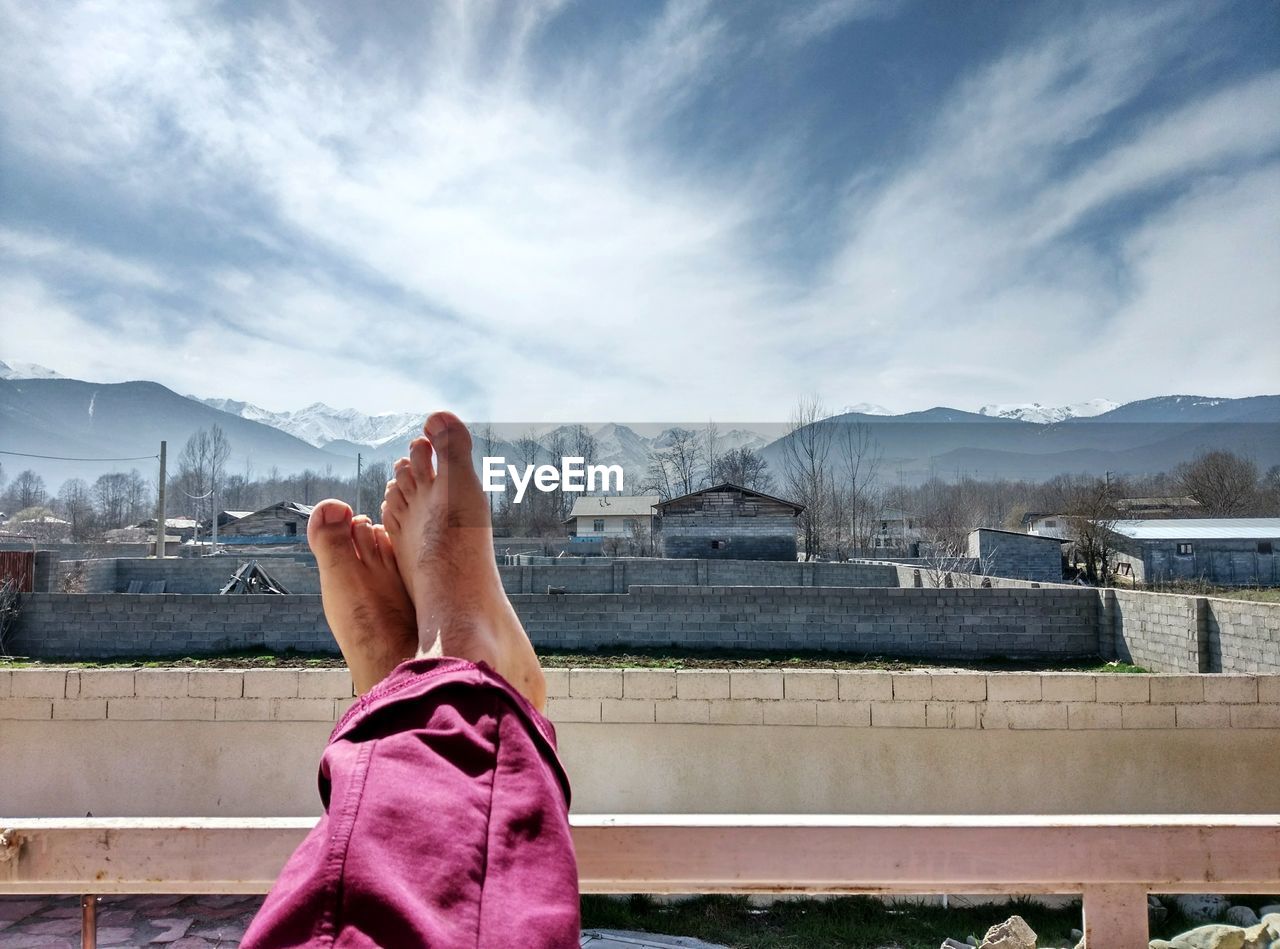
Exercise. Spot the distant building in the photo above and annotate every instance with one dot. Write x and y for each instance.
(1047, 525)
(727, 522)
(282, 523)
(1228, 551)
(898, 530)
(611, 517)
(1152, 508)
(1017, 555)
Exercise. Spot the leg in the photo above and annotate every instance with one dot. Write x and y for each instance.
(438, 520)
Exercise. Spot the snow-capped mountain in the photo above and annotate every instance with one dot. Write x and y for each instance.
(27, 370)
(1044, 414)
(319, 424)
(865, 408)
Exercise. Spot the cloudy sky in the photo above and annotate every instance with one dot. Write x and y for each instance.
(615, 209)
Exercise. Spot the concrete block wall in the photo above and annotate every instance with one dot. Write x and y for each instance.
(957, 624)
(109, 625)
(1020, 556)
(183, 742)
(617, 575)
(996, 701)
(925, 699)
(187, 574)
(949, 624)
(1241, 636)
(1156, 631)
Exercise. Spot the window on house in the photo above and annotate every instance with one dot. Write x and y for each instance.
(632, 529)
(1184, 550)
(1264, 547)
(598, 525)
(291, 529)
(719, 544)
(1050, 523)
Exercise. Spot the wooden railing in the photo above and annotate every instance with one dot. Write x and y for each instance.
(1113, 861)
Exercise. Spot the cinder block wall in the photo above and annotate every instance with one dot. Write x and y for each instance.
(608, 575)
(1020, 556)
(234, 742)
(953, 624)
(1156, 631)
(1239, 636)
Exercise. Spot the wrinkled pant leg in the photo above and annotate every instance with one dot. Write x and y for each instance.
(446, 824)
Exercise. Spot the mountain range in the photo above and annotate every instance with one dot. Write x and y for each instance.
(81, 429)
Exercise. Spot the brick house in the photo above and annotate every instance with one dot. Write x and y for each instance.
(727, 522)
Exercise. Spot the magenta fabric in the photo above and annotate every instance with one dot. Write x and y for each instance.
(446, 824)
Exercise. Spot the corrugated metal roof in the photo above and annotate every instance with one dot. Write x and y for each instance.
(614, 505)
(1203, 528)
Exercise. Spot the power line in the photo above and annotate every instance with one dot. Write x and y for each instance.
(23, 454)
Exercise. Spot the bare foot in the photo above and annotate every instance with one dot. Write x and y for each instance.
(438, 520)
(365, 602)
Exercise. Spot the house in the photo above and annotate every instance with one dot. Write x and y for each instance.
(1016, 555)
(611, 517)
(1228, 551)
(282, 523)
(1047, 525)
(183, 528)
(899, 531)
(727, 522)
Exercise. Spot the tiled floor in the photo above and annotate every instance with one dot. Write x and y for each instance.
(191, 922)
(173, 922)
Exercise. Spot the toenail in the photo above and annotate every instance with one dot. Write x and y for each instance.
(436, 426)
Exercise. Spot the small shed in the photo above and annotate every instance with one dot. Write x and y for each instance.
(1228, 551)
(1016, 555)
(282, 523)
(727, 522)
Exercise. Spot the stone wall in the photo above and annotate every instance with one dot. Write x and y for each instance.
(1018, 556)
(183, 742)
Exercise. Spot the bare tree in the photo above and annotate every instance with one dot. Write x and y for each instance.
(711, 449)
(26, 491)
(806, 450)
(202, 469)
(859, 456)
(676, 468)
(1091, 519)
(75, 503)
(744, 466)
(1225, 484)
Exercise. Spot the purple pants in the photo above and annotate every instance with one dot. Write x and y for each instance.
(446, 824)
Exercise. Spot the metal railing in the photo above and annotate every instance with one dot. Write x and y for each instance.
(1113, 861)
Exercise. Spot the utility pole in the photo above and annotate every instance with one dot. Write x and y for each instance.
(160, 518)
(359, 460)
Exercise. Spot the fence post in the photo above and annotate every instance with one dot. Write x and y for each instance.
(1115, 916)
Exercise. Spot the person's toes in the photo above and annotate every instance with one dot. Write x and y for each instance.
(451, 439)
(382, 541)
(390, 520)
(329, 533)
(362, 533)
(420, 460)
(404, 477)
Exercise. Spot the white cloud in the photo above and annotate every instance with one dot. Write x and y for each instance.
(499, 239)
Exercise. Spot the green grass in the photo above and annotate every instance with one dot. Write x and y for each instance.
(658, 658)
